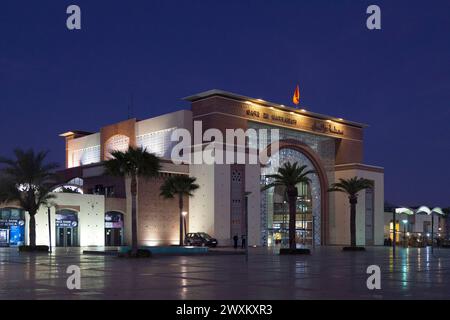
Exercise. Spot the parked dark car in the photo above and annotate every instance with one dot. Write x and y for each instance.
(200, 239)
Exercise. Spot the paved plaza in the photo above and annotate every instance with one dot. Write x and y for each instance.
(327, 274)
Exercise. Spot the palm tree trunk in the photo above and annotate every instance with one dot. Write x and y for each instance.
(353, 202)
(32, 229)
(292, 199)
(134, 236)
(180, 204)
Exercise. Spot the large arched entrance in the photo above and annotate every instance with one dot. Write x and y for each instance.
(312, 203)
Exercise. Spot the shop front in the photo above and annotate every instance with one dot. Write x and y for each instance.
(12, 227)
(66, 228)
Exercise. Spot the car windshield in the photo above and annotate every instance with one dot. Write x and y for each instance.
(205, 235)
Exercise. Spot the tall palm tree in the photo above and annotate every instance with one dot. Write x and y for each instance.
(352, 187)
(179, 185)
(135, 163)
(27, 180)
(289, 176)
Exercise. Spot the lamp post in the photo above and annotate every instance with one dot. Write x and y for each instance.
(49, 228)
(246, 225)
(405, 223)
(184, 213)
(393, 232)
(403, 210)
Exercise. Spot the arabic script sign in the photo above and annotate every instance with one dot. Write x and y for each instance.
(326, 128)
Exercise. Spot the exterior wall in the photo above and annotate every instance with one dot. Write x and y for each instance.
(90, 148)
(82, 151)
(91, 219)
(158, 218)
(124, 128)
(349, 151)
(202, 205)
(253, 185)
(340, 231)
(209, 209)
(179, 119)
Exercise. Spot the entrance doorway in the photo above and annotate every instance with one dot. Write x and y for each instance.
(66, 228)
(4, 237)
(66, 237)
(279, 231)
(113, 229)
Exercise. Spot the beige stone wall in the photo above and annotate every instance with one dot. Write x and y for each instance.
(158, 218)
(340, 231)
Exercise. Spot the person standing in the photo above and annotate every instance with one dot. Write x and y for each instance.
(235, 240)
(243, 242)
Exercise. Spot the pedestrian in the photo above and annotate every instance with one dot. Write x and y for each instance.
(235, 239)
(243, 242)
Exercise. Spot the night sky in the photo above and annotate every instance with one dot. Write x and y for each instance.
(396, 79)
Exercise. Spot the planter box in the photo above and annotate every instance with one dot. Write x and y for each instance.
(353, 249)
(294, 251)
(33, 249)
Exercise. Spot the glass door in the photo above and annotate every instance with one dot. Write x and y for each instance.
(66, 237)
(4, 237)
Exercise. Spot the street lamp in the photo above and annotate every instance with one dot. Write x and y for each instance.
(403, 210)
(405, 223)
(49, 205)
(184, 213)
(247, 193)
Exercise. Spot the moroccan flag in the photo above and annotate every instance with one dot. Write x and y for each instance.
(296, 97)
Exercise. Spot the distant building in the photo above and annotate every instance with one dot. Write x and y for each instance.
(414, 229)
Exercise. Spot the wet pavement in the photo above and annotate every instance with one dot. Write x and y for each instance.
(328, 273)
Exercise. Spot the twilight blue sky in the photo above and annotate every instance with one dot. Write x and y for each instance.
(397, 79)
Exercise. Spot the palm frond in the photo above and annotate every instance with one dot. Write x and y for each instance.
(289, 175)
(178, 185)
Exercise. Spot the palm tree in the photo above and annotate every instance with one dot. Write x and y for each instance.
(352, 187)
(135, 163)
(289, 176)
(179, 185)
(27, 180)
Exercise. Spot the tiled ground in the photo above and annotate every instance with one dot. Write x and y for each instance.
(327, 274)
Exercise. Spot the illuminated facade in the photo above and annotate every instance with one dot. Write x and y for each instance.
(332, 147)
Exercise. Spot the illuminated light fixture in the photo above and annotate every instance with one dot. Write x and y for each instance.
(260, 100)
(248, 102)
(303, 110)
(272, 108)
(329, 121)
(67, 134)
(282, 105)
(405, 221)
(407, 211)
(184, 213)
(292, 112)
(340, 119)
(428, 211)
(408, 234)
